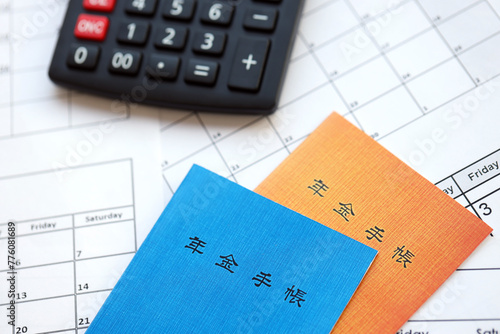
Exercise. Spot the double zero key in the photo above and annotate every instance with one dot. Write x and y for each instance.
(125, 62)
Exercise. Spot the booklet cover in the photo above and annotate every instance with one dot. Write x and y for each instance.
(345, 180)
(222, 259)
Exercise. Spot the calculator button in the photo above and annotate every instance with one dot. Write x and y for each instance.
(201, 72)
(209, 42)
(169, 37)
(260, 19)
(141, 7)
(83, 56)
(217, 13)
(133, 32)
(179, 9)
(248, 64)
(91, 27)
(99, 5)
(162, 66)
(125, 62)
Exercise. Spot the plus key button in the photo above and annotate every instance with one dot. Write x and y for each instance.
(248, 65)
(249, 62)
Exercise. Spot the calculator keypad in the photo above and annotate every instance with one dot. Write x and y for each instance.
(210, 43)
(125, 62)
(163, 66)
(201, 72)
(219, 13)
(171, 37)
(91, 27)
(131, 32)
(141, 7)
(260, 19)
(248, 64)
(83, 56)
(179, 9)
(217, 55)
(106, 6)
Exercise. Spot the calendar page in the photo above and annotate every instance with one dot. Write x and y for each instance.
(80, 182)
(419, 76)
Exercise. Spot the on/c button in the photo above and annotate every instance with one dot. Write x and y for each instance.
(91, 27)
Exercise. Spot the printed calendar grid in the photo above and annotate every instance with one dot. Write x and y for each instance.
(485, 191)
(80, 297)
(289, 131)
(211, 142)
(372, 112)
(481, 198)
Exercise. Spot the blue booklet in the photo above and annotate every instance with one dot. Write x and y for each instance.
(223, 259)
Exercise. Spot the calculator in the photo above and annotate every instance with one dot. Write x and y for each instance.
(206, 55)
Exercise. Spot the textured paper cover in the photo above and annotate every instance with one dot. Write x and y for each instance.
(172, 288)
(383, 193)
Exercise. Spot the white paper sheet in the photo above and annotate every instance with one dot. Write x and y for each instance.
(80, 176)
(419, 76)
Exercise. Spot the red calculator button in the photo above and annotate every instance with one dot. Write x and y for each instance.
(99, 5)
(91, 27)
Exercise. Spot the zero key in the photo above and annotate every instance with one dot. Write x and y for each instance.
(248, 64)
(83, 56)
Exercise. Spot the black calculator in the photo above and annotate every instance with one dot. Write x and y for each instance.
(207, 55)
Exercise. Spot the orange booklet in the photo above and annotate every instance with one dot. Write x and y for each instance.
(345, 180)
